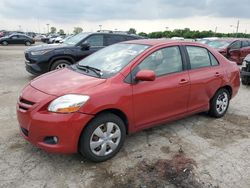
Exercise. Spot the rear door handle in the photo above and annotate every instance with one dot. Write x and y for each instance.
(217, 74)
(183, 81)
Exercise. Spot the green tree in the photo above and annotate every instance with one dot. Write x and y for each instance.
(131, 31)
(143, 34)
(61, 32)
(53, 30)
(77, 30)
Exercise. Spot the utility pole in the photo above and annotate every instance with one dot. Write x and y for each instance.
(237, 27)
(48, 27)
(215, 31)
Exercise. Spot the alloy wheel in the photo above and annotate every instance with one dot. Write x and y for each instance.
(61, 66)
(222, 103)
(105, 139)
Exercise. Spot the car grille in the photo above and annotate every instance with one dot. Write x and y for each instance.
(24, 105)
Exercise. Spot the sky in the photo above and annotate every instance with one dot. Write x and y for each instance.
(143, 15)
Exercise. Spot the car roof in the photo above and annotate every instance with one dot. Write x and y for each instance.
(231, 39)
(158, 42)
(123, 34)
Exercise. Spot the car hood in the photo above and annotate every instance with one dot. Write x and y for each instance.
(65, 81)
(47, 47)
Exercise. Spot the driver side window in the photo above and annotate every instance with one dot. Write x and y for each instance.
(164, 61)
(236, 45)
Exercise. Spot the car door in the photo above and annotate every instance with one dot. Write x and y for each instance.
(245, 50)
(235, 52)
(205, 77)
(96, 43)
(14, 39)
(167, 95)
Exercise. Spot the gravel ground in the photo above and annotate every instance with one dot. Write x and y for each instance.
(194, 152)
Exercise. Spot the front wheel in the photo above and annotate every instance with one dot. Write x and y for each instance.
(60, 64)
(219, 103)
(5, 43)
(27, 43)
(103, 137)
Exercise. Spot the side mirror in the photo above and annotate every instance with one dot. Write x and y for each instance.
(85, 46)
(145, 75)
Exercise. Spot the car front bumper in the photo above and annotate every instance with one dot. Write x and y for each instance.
(36, 64)
(37, 124)
(244, 73)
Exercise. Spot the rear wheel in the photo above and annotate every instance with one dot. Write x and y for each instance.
(27, 43)
(60, 64)
(102, 138)
(5, 43)
(219, 103)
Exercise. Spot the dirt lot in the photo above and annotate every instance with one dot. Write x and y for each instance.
(195, 152)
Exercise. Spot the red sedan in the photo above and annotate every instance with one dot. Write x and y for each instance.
(91, 106)
(234, 49)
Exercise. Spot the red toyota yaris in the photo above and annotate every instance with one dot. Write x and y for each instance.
(89, 107)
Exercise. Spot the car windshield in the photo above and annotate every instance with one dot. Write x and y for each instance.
(77, 38)
(219, 44)
(112, 59)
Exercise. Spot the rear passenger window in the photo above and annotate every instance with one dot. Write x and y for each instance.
(112, 39)
(95, 40)
(198, 57)
(164, 61)
(214, 61)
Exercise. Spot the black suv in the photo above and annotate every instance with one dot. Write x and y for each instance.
(44, 58)
(245, 71)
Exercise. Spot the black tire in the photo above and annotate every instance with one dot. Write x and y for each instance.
(5, 43)
(214, 111)
(88, 135)
(60, 64)
(27, 43)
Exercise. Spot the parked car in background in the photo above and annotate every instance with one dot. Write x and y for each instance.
(17, 39)
(44, 58)
(245, 71)
(234, 49)
(59, 39)
(52, 39)
(39, 37)
(66, 38)
(89, 107)
(206, 40)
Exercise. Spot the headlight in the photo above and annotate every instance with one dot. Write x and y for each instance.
(40, 52)
(68, 103)
(244, 64)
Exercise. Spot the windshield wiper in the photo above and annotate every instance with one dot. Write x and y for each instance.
(97, 71)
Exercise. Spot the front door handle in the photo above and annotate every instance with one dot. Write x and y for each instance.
(183, 81)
